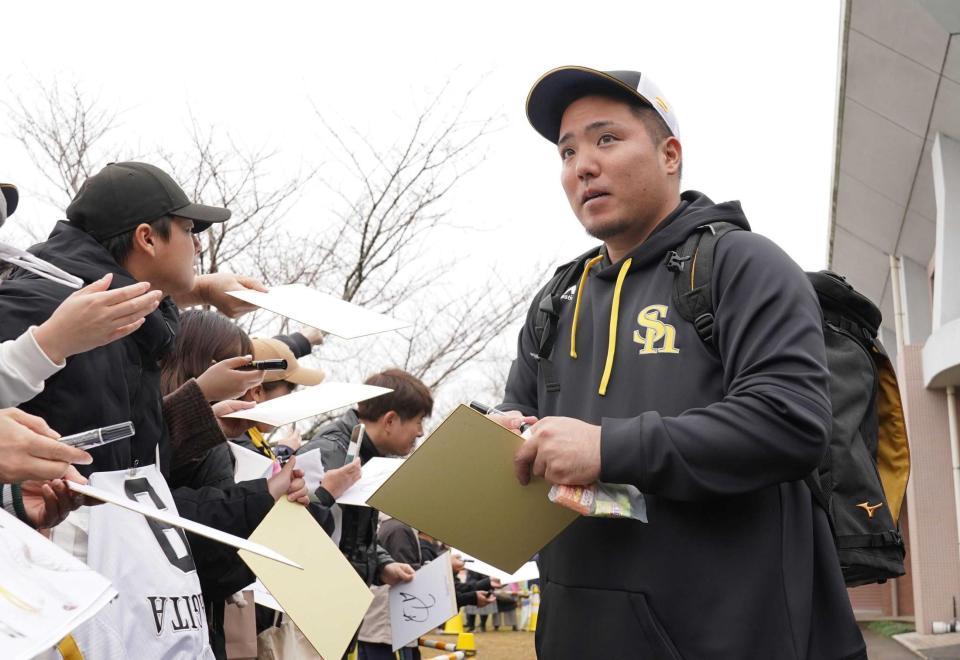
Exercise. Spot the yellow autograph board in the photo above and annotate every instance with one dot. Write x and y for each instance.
(327, 599)
(502, 523)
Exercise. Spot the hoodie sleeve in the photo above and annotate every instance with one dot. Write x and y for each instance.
(237, 510)
(521, 389)
(773, 422)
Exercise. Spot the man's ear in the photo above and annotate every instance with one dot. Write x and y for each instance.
(390, 418)
(255, 393)
(672, 154)
(144, 239)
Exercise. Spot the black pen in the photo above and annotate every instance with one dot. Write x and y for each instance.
(490, 410)
(264, 365)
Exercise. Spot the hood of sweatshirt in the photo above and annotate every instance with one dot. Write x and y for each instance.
(695, 210)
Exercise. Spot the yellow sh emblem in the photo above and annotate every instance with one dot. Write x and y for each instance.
(654, 331)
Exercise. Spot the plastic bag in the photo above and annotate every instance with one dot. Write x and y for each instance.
(602, 500)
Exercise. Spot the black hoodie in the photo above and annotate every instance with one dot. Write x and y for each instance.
(736, 561)
(118, 382)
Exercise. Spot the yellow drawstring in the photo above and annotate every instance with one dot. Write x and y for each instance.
(614, 315)
(576, 307)
(260, 442)
(68, 649)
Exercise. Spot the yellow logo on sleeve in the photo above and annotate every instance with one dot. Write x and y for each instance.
(654, 331)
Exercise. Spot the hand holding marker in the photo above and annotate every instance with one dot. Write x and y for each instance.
(490, 410)
(599, 500)
(97, 437)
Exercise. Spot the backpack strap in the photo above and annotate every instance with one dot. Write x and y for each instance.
(548, 315)
(693, 276)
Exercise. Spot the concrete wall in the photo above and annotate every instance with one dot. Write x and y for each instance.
(934, 559)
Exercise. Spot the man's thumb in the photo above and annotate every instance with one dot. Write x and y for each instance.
(98, 285)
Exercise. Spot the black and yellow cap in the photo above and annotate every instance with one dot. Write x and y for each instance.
(123, 195)
(558, 88)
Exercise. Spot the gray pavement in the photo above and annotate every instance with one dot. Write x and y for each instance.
(880, 647)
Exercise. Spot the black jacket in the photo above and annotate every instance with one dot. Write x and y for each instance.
(117, 382)
(737, 560)
(358, 526)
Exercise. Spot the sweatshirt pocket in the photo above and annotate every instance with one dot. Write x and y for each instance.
(582, 623)
(652, 629)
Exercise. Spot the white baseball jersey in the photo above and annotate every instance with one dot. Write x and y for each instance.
(159, 613)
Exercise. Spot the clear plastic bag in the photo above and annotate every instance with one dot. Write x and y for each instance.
(602, 500)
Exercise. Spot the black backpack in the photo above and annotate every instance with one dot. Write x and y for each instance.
(862, 478)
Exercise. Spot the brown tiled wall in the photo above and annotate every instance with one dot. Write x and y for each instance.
(934, 559)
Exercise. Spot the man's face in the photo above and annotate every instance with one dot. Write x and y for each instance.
(176, 258)
(261, 394)
(614, 176)
(402, 434)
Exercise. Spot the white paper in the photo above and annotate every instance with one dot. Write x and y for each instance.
(309, 402)
(44, 592)
(250, 464)
(262, 596)
(372, 475)
(312, 467)
(528, 571)
(424, 603)
(320, 310)
(175, 520)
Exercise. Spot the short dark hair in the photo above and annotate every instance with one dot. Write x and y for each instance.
(656, 127)
(119, 246)
(275, 385)
(409, 398)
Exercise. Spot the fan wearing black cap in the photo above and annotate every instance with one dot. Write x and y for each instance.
(134, 223)
(88, 318)
(717, 430)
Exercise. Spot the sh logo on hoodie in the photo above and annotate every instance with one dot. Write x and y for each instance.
(654, 331)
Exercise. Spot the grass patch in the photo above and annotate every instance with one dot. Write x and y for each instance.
(891, 628)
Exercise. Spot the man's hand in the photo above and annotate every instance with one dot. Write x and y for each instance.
(232, 427)
(562, 450)
(95, 316)
(291, 439)
(396, 573)
(224, 381)
(313, 335)
(512, 420)
(289, 481)
(337, 481)
(211, 289)
(29, 449)
(48, 503)
(485, 598)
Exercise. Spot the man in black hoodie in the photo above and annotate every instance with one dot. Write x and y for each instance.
(737, 561)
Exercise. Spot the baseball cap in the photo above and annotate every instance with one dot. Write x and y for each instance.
(123, 195)
(558, 88)
(274, 349)
(10, 199)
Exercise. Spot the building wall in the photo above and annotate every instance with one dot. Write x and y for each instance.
(933, 557)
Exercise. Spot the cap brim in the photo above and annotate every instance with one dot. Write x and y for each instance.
(202, 215)
(11, 195)
(305, 376)
(556, 89)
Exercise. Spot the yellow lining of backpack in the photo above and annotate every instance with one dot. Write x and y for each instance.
(893, 452)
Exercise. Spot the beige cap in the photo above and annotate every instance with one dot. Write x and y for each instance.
(273, 349)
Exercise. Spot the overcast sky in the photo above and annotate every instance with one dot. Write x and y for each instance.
(753, 83)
